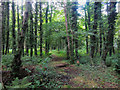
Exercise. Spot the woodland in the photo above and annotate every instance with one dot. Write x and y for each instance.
(60, 44)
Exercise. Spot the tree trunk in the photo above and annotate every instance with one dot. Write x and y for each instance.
(41, 31)
(46, 37)
(74, 26)
(13, 28)
(3, 27)
(17, 63)
(31, 31)
(87, 51)
(36, 24)
(22, 23)
(68, 40)
(93, 37)
(111, 28)
(100, 26)
(1, 11)
(7, 29)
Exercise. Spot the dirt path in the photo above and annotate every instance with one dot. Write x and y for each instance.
(81, 76)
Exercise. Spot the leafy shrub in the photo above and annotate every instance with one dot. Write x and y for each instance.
(111, 60)
(84, 59)
(7, 60)
(20, 83)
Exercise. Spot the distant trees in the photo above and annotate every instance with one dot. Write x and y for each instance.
(48, 28)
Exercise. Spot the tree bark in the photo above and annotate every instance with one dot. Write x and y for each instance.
(7, 29)
(66, 23)
(87, 51)
(41, 31)
(31, 31)
(1, 10)
(111, 28)
(93, 37)
(46, 37)
(13, 28)
(3, 27)
(17, 63)
(74, 26)
(36, 25)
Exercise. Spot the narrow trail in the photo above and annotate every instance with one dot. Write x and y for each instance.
(77, 77)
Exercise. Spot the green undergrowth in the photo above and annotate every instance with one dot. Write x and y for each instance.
(61, 53)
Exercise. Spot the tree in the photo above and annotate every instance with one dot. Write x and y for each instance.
(93, 37)
(68, 39)
(18, 24)
(17, 63)
(100, 26)
(31, 31)
(86, 27)
(41, 31)
(3, 27)
(7, 29)
(74, 26)
(36, 24)
(1, 10)
(13, 27)
(111, 28)
(46, 37)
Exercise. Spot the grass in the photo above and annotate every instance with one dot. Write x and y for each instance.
(61, 53)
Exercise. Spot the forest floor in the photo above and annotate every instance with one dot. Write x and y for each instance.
(84, 76)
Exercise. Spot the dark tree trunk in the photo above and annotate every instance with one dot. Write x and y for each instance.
(46, 37)
(111, 28)
(13, 28)
(3, 27)
(93, 37)
(100, 26)
(18, 24)
(67, 38)
(36, 24)
(27, 40)
(74, 26)
(17, 63)
(7, 29)
(1, 11)
(87, 51)
(31, 32)
(88, 21)
(41, 31)
(22, 23)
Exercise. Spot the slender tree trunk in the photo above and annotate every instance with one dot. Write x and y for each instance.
(1, 11)
(46, 37)
(13, 28)
(3, 27)
(18, 24)
(31, 32)
(87, 51)
(36, 24)
(100, 26)
(41, 31)
(111, 28)
(68, 40)
(93, 37)
(69, 15)
(74, 26)
(7, 29)
(22, 23)
(17, 63)
(27, 40)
